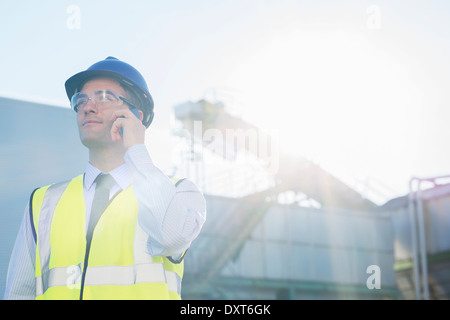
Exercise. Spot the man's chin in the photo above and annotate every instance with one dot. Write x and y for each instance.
(91, 142)
(96, 141)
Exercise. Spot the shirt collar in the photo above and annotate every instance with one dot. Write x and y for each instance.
(121, 175)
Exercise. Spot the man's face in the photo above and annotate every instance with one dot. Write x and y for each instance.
(94, 120)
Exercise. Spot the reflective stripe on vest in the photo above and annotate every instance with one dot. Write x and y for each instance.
(120, 266)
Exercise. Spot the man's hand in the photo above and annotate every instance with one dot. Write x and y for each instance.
(133, 129)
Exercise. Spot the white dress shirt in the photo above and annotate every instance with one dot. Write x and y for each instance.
(171, 216)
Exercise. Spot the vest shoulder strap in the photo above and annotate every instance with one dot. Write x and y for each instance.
(30, 210)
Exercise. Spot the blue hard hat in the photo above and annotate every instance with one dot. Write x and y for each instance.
(121, 71)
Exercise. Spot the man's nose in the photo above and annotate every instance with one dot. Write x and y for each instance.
(90, 106)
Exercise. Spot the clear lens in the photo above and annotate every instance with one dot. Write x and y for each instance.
(78, 99)
(100, 98)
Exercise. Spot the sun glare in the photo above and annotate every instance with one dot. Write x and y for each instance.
(331, 96)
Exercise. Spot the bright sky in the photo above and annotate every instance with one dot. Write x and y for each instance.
(358, 86)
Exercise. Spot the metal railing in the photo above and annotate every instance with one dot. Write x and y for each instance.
(418, 237)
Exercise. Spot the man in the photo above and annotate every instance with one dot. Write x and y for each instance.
(130, 245)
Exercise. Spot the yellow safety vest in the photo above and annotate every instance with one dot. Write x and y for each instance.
(119, 265)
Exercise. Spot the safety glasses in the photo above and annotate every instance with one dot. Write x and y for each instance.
(100, 98)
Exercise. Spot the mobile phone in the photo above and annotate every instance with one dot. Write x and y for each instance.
(136, 113)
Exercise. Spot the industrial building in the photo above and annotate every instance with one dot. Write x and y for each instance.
(278, 226)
